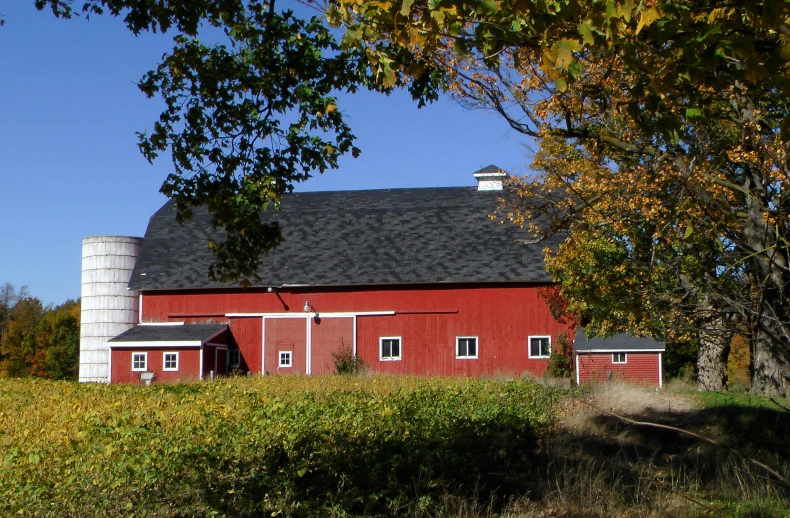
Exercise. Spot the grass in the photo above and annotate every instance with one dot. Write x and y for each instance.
(377, 446)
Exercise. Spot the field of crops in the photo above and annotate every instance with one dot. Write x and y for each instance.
(294, 446)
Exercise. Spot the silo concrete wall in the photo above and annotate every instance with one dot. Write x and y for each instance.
(108, 307)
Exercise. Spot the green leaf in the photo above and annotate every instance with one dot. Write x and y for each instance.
(406, 7)
(563, 52)
(693, 112)
(689, 231)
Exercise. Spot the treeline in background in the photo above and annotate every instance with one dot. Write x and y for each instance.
(36, 339)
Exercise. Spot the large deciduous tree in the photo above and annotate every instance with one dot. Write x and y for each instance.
(664, 126)
(248, 116)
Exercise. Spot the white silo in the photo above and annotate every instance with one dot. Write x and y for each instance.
(108, 306)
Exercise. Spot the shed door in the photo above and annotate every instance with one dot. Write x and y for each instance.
(283, 335)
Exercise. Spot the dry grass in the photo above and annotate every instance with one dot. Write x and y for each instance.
(595, 465)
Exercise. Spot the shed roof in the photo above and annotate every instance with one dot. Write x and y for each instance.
(345, 238)
(186, 334)
(618, 342)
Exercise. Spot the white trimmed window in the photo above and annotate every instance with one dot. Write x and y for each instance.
(139, 362)
(466, 347)
(539, 346)
(619, 358)
(285, 359)
(234, 358)
(170, 361)
(389, 348)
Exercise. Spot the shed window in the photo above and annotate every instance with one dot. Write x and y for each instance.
(139, 361)
(619, 358)
(466, 347)
(170, 361)
(234, 358)
(389, 348)
(285, 359)
(539, 346)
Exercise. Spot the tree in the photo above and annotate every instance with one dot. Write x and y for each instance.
(18, 343)
(57, 343)
(248, 117)
(678, 108)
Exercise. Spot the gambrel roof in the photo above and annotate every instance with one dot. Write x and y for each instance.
(354, 238)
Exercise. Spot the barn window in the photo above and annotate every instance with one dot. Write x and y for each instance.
(539, 346)
(234, 358)
(139, 361)
(389, 348)
(170, 361)
(466, 347)
(619, 358)
(285, 359)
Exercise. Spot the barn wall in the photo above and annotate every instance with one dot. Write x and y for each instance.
(286, 334)
(188, 366)
(428, 320)
(640, 367)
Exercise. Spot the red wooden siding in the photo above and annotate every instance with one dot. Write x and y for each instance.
(247, 334)
(286, 334)
(326, 335)
(428, 320)
(640, 367)
(188, 366)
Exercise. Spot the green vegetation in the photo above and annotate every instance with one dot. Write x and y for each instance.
(382, 446)
(37, 340)
(297, 446)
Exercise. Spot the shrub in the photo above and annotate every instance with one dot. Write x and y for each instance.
(346, 361)
(561, 359)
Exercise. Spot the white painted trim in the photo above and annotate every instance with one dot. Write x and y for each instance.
(400, 349)
(280, 359)
(660, 373)
(216, 370)
(529, 347)
(201, 363)
(140, 309)
(308, 339)
(164, 361)
(162, 323)
(263, 346)
(311, 314)
(477, 348)
(171, 344)
(632, 351)
(620, 363)
(578, 378)
(355, 335)
(145, 368)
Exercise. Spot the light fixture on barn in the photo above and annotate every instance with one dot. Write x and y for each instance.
(308, 307)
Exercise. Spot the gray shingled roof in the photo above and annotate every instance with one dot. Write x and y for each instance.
(375, 237)
(168, 333)
(619, 342)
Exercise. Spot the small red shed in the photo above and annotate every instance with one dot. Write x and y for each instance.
(168, 352)
(619, 357)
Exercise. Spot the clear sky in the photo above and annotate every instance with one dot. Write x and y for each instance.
(70, 168)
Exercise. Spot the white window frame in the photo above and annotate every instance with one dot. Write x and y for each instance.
(231, 364)
(145, 362)
(529, 346)
(391, 357)
(164, 361)
(618, 362)
(290, 359)
(467, 356)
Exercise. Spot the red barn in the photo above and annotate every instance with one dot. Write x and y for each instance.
(414, 281)
(619, 357)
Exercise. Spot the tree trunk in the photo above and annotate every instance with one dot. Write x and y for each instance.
(770, 369)
(714, 339)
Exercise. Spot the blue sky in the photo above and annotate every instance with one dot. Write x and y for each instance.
(69, 162)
